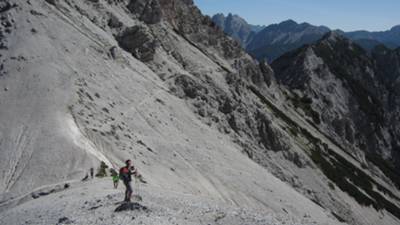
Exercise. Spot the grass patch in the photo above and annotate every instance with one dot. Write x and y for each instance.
(353, 181)
(385, 167)
(102, 170)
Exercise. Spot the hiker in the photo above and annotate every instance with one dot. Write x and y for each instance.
(92, 172)
(125, 174)
(115, 177)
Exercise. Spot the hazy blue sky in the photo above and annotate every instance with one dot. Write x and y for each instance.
(373, 15)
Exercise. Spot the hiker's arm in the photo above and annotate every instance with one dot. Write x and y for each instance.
(133, 171)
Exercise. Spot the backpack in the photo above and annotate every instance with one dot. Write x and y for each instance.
(124, 174)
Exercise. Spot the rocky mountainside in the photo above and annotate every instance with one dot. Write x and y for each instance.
(352, 91)
(351, 97)
(237, 27)
(158, 82)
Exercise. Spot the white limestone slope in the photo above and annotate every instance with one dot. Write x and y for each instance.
(66, 105)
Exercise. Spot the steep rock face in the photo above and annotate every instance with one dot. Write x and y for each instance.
(346, 93)
(388, 64)
(387, 61)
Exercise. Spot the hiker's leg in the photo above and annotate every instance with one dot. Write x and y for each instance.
(126, 191)
(129, 190)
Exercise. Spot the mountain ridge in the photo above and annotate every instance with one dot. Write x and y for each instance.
(267, 44)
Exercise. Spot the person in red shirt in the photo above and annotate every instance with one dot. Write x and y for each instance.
(125, 174)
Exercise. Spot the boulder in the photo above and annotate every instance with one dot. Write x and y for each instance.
(138, 41)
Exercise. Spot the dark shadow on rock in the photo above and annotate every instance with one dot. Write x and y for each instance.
(95, 207)
(64, 220)
(131, 206)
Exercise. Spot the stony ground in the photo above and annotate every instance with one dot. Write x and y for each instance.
(95, 201)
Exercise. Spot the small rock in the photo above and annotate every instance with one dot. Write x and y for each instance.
(36, 13)
(35, 196)
(64, 220)
(95, 207)
(131, 206)
(114, 52)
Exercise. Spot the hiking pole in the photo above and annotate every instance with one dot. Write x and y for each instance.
(138, 197)
(138, 187)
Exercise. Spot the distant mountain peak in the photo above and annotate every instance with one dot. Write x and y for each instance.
(395, 28)
(219, 15)
(288, 22)
(236, 27)
(277, 39)
(333, 36)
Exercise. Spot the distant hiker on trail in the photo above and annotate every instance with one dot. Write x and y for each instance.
(92, 172)
(115, 177)
(125, 174)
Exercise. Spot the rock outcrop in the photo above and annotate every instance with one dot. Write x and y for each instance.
(139, 42)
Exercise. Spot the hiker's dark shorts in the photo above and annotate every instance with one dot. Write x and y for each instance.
(128, 186)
